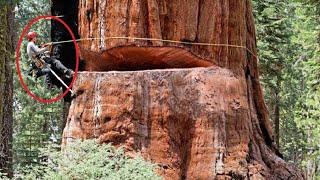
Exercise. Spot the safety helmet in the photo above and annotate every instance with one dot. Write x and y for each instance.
(31, 35)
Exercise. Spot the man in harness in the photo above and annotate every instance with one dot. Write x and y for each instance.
(42, 61)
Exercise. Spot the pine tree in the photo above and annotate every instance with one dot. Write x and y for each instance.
(299, 75)
(35, 124)
(274, 32)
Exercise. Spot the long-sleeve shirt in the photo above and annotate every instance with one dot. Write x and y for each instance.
(33, 50)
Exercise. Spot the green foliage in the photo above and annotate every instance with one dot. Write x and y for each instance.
(27, 10)
(89, 160)
(288, 46)
(35, 124)
(307, 112)
(277, 58)
(3, 176)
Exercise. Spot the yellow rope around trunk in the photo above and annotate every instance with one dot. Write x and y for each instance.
(162, 40)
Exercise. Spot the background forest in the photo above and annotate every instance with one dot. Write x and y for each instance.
(288, 39)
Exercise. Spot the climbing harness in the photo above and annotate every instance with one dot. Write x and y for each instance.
(39, 63)
(161, 40)
(38, 60)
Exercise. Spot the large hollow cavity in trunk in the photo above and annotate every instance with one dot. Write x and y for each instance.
(68, 12)
(132, 58)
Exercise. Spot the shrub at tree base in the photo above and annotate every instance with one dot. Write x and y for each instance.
(89, 160)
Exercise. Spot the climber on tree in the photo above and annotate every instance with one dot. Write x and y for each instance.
(42, 60)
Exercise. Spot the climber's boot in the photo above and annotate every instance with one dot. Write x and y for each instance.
(69, 73)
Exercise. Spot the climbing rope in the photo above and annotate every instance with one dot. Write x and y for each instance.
(161, 40)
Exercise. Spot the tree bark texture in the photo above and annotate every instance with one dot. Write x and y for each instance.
(232, 139)
(277, 119)
(210, 21)
(6, 86)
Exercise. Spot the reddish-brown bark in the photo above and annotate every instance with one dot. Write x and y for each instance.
(207, 123)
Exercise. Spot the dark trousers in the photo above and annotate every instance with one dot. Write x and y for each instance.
(56, 63)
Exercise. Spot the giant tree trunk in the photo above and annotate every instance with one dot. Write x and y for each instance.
(6, 86)
(205, 123)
